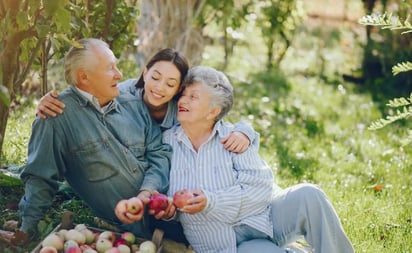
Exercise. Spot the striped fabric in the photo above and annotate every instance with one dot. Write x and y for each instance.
(238, 188)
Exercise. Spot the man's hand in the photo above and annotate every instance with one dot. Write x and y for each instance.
(14, 238)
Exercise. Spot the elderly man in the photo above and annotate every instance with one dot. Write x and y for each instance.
(105, 144)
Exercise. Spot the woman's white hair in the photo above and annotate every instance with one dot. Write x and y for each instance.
(219, 86)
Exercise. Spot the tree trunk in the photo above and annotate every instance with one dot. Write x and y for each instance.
(11, 77)
(170, 23)
(4, 114)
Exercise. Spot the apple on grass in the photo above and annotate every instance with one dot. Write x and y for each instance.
(181, 197)
(158, 202)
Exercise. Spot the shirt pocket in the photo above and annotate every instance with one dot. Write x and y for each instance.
(135, 156)
(95, 161)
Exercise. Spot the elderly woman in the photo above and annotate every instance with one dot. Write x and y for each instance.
(235, 205)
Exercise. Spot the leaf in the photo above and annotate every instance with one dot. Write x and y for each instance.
(402, 67)
(4, 95)
(63, 19)
(50, 6)
(42, 30)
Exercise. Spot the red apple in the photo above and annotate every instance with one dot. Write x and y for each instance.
(129, 237)
(181, 197)
(119, 241)
(73, 249)
(158, 202)
(134, 205)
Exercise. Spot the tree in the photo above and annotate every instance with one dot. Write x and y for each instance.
(35, 31)
(278, 21)
(170, 23)
(25, 26)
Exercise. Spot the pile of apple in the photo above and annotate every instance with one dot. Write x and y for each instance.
(81, 239)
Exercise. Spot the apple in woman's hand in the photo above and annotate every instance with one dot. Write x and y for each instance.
(181, 197)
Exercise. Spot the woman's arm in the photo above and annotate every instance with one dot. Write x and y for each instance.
(241, 137)
(49, 105)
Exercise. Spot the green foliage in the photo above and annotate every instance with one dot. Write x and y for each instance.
(387, 21)
(402, 67)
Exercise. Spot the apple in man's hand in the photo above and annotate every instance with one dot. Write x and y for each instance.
(158, 202)
(181, 197)
(134, 205)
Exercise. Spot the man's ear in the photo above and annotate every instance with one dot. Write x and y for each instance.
(214, 112)
(81, 76)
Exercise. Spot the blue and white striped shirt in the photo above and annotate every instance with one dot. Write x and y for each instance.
(238, 189)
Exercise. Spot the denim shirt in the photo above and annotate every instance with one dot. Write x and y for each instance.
(105, 157)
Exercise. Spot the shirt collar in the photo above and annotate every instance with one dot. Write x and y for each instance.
(95, 102)
(218, 129)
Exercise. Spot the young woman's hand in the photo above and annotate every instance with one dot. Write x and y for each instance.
(49, 105)
(236, 142)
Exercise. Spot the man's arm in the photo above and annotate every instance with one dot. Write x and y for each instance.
(39, 176)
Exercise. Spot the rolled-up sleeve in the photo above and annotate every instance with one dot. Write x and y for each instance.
(158, 155)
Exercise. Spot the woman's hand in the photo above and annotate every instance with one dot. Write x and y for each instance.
(49, 105)
(236, 142)
(195, 204)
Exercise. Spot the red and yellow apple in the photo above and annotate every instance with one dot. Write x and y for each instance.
(181, 197)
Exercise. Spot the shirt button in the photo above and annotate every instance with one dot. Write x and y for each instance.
(134, 170)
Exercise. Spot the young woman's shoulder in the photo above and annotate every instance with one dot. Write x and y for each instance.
(129, 86)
